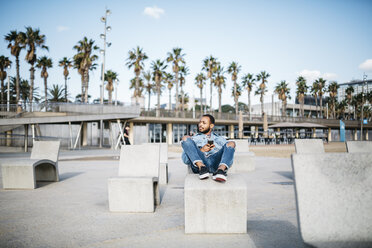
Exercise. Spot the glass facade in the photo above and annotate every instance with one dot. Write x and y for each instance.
(157, 133)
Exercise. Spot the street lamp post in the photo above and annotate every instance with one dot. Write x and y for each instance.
(362, 115)
(8, 95)
(103, 51)
(116, 92)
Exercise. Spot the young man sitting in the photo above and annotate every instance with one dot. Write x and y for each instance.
(207, 152)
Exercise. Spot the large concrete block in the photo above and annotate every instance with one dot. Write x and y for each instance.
(42, 166)
(163, 173)
(243, 162)
(309, 146)
(334, 198)
(212, 207)
(133, 194)
(359, 146)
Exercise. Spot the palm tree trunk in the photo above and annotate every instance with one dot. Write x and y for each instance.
(2, 92)
(316, 106)
(285, 108)
(137, 89)
(170, 99)
(183, 99)
(321, 106)
(82, 88)
(66, 88)
(148, 108)
(211, 96)
(249, 105)
(235, 98)
(110, 95)
(46, 91)
(219, 101)
(158, 107)
(201, 100)
(177, 102)
(17, 80)
(262, 103)
(32, 77)
(86, 85)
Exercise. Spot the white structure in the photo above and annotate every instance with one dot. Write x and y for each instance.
(41, 166)
(212, 207)
(309, 146)
(334, 198)
(136, 189)
(243, 159)
(359, 146)
(163, 171)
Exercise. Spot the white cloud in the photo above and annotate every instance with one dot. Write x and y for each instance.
(366, 65)
(153, 12)
(62, 28)
(311, 76)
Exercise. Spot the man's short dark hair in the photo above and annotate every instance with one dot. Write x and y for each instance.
(211, 118)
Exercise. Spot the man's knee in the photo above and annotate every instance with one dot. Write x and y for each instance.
(184, 138)
(231, 144)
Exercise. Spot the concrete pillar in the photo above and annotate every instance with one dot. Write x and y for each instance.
(169, 133)
(131, 134)
(329, 135)
(297, 134)
(9, 138)
(256, 132)
(265, 125)
(240, 135)
(356, 134)
(314, 133)
(366, 134)
(231, 131)
(84, 133)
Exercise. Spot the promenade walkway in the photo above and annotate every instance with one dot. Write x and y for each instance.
(74, 212)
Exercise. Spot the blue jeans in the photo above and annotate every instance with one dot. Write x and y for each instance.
(192, 154)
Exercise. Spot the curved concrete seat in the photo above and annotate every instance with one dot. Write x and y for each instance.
(358, 146)
(42, 166)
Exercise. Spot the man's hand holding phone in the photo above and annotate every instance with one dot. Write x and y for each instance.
(207, 147)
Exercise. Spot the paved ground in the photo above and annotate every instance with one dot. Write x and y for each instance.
(74, 212)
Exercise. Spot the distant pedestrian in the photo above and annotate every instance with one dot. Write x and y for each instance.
(126, 135)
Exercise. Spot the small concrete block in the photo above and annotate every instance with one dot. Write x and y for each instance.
(309, 146)
(241, 145)
(163, 153)
(18, 174)
(359, 146)
(334, 198)
(243, 162)
(163, 173)
(132, 194)
(212, 207)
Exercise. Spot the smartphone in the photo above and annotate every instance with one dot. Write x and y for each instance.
(210, 142)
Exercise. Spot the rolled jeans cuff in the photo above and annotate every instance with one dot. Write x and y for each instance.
(227, 167)
(194, 163)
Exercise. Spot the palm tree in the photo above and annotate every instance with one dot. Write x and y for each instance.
(301, 92)
(65, 63)
(136, 58)
(349, 95)
(56, 93)
(158, 68)
(263, 76)
(332, 89)
(283, 93)
(200, 82)
(219, 82)
(110, 77)
(321, 87)
(236, 92)
(44, 63)
(340, 108)
(84, 62)
(133, 83)
(234, 69)
(210, 66)
(168, 79)
(177, 57)
(314, 90)
(32, 39)
(248, 82)
(4, 64)
(149, 86)
(15, 45)
(184, 71)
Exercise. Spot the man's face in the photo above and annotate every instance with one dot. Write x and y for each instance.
(204, 125)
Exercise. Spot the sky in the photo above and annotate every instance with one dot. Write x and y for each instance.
(313, 38)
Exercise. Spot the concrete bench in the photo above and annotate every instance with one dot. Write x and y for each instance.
(163, 170)
(42, 166)
(136, 189)
(212, 207)
(309, 146)
(358, 146)
(334, 198)
(243, 159)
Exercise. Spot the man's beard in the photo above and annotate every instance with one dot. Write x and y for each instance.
(206, 131)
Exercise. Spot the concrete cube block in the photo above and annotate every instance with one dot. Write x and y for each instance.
(309, 146)
(243, 162)
(359, 146)
(212, 207)
(133, 194)
(334, 198)
(241, 145)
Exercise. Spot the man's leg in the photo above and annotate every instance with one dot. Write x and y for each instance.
(195, 156)
(227, 157)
